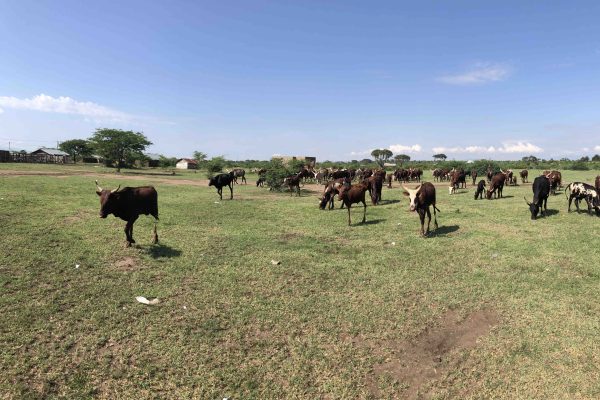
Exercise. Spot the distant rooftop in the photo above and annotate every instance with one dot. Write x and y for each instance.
(53, 152)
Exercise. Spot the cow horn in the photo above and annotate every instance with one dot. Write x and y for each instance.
(116, 190)
(98, 186)
(528, 203)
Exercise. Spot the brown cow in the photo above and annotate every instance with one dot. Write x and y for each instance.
(497, 184)
(474, 176)
(354, 194)
(598, 183)
(127, 204)
(421, 198)
(524, 176)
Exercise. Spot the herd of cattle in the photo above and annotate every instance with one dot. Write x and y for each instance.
(351, 186)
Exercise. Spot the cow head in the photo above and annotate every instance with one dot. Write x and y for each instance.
(534, 208)
(413, 196)
(108, 199)
(489, 194)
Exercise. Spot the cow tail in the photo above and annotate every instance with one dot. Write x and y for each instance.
(438, 210)
(568, 186)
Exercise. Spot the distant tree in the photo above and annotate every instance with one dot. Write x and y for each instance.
(366, 161)
(167, 162)
(119, 146)
(401, 158)
(215, 164)
(381, 156)
(584, 159)
(530, 159)
(596, 157)
(200, 157)
(76, 148)
(440, 157)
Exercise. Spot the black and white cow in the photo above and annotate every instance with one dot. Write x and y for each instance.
(582, 191)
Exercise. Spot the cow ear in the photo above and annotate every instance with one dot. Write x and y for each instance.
(406, 193)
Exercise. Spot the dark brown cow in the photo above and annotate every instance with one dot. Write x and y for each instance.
(389, 178)
(421, 198)
(497, 184)
(354, 194)
(376, 185)
(489, 174)
(331, 189)
(293, 183)
(238, 173)
(220, 181)
(541, 190)
(480, 190)
(524, 176)
(474, 175)
(128, 203)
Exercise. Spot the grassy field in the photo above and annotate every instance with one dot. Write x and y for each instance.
(493, 305)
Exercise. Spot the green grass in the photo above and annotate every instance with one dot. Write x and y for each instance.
(231, 324)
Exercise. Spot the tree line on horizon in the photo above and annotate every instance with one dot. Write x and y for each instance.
(120, 149)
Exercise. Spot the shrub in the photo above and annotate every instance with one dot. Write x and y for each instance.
(215, 165)
(276, 173)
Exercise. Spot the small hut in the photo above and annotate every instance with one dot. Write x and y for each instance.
(186, 163)
(47, 155)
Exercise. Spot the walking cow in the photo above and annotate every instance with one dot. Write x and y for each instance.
(220, 181)
(421, 198)
(128, 203)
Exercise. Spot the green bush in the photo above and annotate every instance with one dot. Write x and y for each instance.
(215, 165)
(579, 166)
(276, 173)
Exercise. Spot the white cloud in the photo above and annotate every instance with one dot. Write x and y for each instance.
(398, 148)
(63, 105)
(480, 73)
(507, 147)
(597, 148)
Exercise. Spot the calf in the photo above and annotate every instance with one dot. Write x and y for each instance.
(355, 194)
(524, 175)
(497, 184)
(421, 198)
(220, 181)
(541, 191)
(260, 181)
(127, 204)
(480, 190)
(582, 191)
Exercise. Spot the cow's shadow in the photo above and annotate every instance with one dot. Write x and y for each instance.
(384, 202)
(444, 230)
(550, 212)
(162, 251)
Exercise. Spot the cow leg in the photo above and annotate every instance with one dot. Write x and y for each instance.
(364, 212)
(231, 192)
(154, 235)
(422, 218)
(349, 206)
(570, 200)
(220, 193)
(435, 224)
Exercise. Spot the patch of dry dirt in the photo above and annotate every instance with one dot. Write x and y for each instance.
(430, 355)
(127, 264)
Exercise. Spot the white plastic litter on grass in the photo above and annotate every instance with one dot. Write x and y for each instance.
(275, 262)
(144, 300)
(76, 266)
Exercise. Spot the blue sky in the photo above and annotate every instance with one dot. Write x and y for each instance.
(472, 79)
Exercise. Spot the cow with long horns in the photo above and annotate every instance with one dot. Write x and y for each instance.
(541, 191)
(128, 203)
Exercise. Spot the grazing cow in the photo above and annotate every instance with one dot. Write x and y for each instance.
(509, 176)
(541, 191)
(354, 194)
(293, 183)
(555, 179)
(238, 173)
(261, 181)
(331, 189)
(421, 198)
(220, 181)
(389, 178)
(582, 191)
(458, 179)
(474, 175)
(497, 184)
(524, 176)
(480, 190)
(127, 204)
